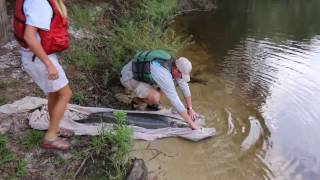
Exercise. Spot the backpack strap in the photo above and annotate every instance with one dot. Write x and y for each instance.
(141, 65)
(53, 13)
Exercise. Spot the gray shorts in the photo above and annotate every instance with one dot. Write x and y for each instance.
(39, 73)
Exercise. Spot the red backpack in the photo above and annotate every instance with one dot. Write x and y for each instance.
(52, 41)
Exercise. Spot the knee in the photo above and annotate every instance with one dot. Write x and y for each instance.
(65, 94)
(69, 94)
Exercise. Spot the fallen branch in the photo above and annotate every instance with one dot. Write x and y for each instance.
(157, 151)
(81, 166)
(155, 156)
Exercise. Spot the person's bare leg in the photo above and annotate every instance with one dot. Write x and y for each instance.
(57, 109)
(52, 101)
(153, 97)
(161, 95)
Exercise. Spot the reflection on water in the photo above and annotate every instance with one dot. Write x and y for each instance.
(262, 63)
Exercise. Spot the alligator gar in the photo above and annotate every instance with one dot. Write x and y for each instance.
(145, 120)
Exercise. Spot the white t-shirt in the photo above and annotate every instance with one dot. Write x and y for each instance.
(38, 13)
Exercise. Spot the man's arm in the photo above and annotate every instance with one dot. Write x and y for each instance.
(191, 112)
(187, 97)
(164, 79)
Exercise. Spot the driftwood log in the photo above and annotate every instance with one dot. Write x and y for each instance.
(139, 170)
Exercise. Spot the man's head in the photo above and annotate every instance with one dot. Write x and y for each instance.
(183, 69)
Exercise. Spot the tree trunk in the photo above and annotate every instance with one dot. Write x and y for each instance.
(4, 22)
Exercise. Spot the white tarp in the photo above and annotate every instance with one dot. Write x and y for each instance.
(39, 119)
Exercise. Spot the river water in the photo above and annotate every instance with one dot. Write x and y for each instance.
(260, 63)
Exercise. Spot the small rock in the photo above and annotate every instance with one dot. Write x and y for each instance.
(65, 156)
(5, 127)
(30, 81)
(80, 33)
(11, 45)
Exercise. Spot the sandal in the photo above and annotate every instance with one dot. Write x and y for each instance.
(57, 144)
(66, 133)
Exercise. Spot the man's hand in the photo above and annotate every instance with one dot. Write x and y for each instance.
(53, 72)
(187, 118)
(194, 126)
(192, 114)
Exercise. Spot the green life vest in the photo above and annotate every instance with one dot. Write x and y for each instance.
(142, 61)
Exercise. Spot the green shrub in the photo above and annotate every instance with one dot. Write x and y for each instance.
(143, 27)
(3, 100)
(5, 155)
(133, 37)
(111, 149)
(79, 98)
(3, 85)
(21, 168)
(33, 139)
(159, 11)
(81, 15)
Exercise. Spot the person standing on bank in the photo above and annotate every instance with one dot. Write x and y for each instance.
(41, 28)
(157, 68)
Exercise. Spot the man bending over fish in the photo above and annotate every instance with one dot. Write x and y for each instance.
(151, 73)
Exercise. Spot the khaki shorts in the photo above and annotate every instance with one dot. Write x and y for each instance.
(140, 89)
(39, 72)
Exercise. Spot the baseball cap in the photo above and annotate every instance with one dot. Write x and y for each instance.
(185, 67)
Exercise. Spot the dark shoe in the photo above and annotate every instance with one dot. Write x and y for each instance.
(154, 107)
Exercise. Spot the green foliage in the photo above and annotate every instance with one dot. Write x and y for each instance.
(12, 84)
(33, 139)
(101, 143)
(111, 149)
(3, 100)
(90, 57)
(159, 11)
(79, 98)
(3, 85)
(21, 168)
(144, 26)
(5, 155)
(84, 54)
(144, 29)
(133, 37)
(122, 137)
(81, 15)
